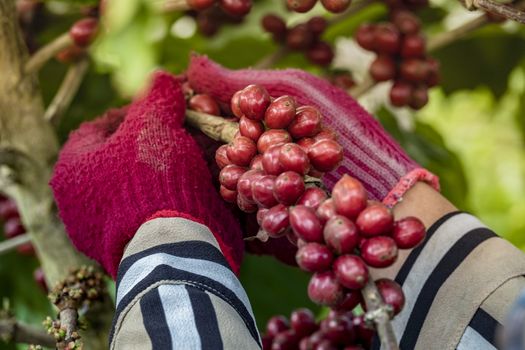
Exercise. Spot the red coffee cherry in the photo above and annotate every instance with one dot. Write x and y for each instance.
(228, 195)
(271, 160)
(406, 22)
(289, 186)
(433, 72)
(365, 37)
(408, 232)
(300, 6)
(325, 155)
(336, 6)
(363, 331)
(305, 224)
(388, 38)
(314, 257)
(320, 53)
(375, 220)
(338, 330)
(262, 191)
(349, 196)
(324, 289)
(400, 94)
(280, 112)
(306, 143)
(275, 25)
(419, 97)
(276, 325)
(351, 271)
(234, 104)
(205, 104)
(276, 221)
(413, 46)
(351, 300)
(241, 151)
(325, 134)
(236, 8)
(391, 293)
(244, 185)
(414, 70)
(340, 234)
(83, 31)
(326, 210)
(303, 322)
(252, 129)
(299, 37)
(272, 137)
(199, 5)
(13, 227)
(245, 204)
(383, 68)
(285, 340)
(312, 197)
(256, 163)
(307, 122)
(8, 209)
(317, 25)
(294, 158)
(380, 251)
(253, 101)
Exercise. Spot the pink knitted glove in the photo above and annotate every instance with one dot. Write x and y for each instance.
(370, 154)
(132, 165)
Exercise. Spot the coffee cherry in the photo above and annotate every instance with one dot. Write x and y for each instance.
(13, 227)
(275, 25)
(414, 70)
(324, 289)
(343, 81)
(300, 6)
(271, 160)
(380, 251)
(413, 46)
(276, 325)
(364, 332)
(351, 271)
(307, 122)
(320, 53)
(205, 104)
(280, 112)
(326, 211)
(294, 158)
(244, 185)
(40, 279)
(286, 340)
(306, 143)
(256, 163)
(338, 330)
(325, 155)
(317, 25)
(207, 24)
(241, 151)
(250, 128)
(400, 94)
(234, 104)
(375, 220)
(365, 37)
(262, 191)
(325, 134)
(199, 5)
(383, 68)
(408, 232)
(8, 209)
(228, 195)
(336, 6)
(312, 197)
(340, 234)
(314, 257)
(391, 293)
(289, 186)
(351, 299)
(260, 215)
(253, 101)
(71, 54)
(406, 22)
(83, 31)
(229, 176)
(245, 204)
(272, 137)
(303, 322)
(299, 37)
(236, 8)
(276, 221)
(419, 97)
(349, 196)
(433, 73)
(305, 224)
(388, 39)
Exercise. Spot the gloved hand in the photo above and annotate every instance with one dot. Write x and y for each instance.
(132, 165)
(370, 154)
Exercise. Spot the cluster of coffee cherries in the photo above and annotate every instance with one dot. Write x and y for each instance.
(401, 57)
(211, 14)
(412, 5)
(278, 146)
(334, 6)
(304, 37)
(339, 330)
(342, 79)
(82, 33)
(13, 227)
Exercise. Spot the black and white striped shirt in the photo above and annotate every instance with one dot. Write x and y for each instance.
(175, 290)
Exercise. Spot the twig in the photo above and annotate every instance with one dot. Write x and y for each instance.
(47, 52)
(379, 313)
(12, 243)
(11, 330)
(271, 59)
(173, 5)
(67, 91)
(215, 127)
(496, 8)
(69, 322)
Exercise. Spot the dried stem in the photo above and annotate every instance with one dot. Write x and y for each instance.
(67, 91)
(379, 313)
(215, 127)
(69, 321)
(173, 5)
(503, 10)
(17, 332)
(47, 52)
(12, 243)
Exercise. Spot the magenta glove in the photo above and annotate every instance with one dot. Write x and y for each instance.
(370, 154)
(132, 165)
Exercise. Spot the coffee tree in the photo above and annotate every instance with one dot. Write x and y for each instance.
(420, 66)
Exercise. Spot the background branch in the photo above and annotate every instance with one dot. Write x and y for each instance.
(500, 9)
(47, 52)
(11, 330)
(12, 243)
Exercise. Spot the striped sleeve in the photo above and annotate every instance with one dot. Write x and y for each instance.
(175, 290)
(458, 285)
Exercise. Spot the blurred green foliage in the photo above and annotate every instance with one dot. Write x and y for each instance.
(471, 134)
